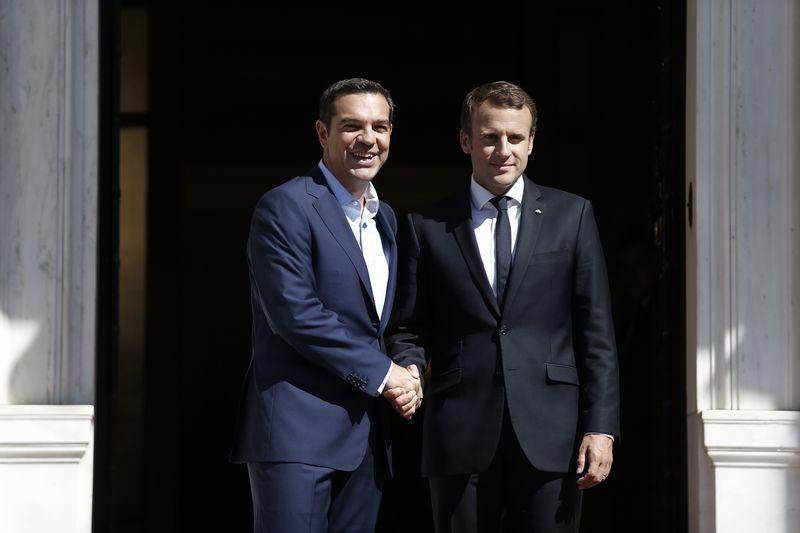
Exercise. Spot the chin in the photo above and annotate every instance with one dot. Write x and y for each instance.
(365, 174)
(505, 180)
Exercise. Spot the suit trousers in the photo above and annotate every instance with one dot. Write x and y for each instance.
(510, 497)
(297, 497)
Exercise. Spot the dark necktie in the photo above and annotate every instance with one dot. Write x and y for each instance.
(502, 245)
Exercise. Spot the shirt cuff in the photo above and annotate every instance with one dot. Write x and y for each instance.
(385, 379)
(603, 434)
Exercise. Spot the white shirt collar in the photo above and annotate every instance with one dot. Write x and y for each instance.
(480, 196)
(347, 201)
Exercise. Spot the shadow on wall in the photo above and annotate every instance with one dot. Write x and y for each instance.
(16, 337)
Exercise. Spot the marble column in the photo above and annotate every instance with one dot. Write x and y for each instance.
(48, 229)
(743, 265)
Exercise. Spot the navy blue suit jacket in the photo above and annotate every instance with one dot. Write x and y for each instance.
(318, 357)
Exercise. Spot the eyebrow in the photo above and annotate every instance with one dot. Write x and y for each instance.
(346, 120)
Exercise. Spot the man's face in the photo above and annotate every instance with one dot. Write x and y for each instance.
(499, 145)
(357, 143)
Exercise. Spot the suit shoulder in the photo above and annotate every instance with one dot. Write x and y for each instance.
(551, 193)
(289, 188)
(289, 192)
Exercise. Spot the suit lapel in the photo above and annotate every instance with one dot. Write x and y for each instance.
(332, 216)
(530, 222)
(465, 236)
(387, 232)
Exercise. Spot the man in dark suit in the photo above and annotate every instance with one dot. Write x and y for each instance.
(322, 260)
(504, 291)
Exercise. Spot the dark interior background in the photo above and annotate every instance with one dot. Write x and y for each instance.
(233, 98)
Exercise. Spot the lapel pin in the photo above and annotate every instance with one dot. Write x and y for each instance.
(538, 211)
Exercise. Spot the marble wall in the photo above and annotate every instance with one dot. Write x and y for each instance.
(743, 272)
(48, 232)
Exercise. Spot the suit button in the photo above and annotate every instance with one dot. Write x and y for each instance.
(498, 378)
(503, 329)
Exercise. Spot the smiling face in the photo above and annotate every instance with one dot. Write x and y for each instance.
(356, 145)
(498, 145)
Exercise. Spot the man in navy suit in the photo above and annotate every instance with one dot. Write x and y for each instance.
(503, 289)
(322, 260)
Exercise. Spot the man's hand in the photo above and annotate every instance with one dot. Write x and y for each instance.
(594, 460)
(414, 371)
(403, 390)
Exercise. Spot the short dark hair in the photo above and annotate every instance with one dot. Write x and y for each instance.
(350, 86)
(498, 93)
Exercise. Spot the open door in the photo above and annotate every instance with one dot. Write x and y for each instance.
(232, 101)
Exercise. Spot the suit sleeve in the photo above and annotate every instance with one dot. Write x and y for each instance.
(593, 332)
(406, 340)
(281, 269)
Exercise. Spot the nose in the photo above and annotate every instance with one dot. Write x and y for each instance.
(503, 147)
(366, 137)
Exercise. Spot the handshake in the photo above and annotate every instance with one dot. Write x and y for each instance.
(403, 390)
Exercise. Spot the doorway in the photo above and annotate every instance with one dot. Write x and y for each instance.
(232, 99)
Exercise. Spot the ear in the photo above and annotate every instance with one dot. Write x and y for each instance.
(322, 133)
(464, 140)
(530, 145)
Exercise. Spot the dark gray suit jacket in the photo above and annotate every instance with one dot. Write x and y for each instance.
(549, 351)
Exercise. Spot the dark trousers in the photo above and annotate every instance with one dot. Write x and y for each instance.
(296, 497)
(510, 497)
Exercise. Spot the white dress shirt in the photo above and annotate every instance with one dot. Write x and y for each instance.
(484, 218)
(361, 219)
(365, 230)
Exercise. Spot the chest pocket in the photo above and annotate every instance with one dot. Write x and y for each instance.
(551, 257)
